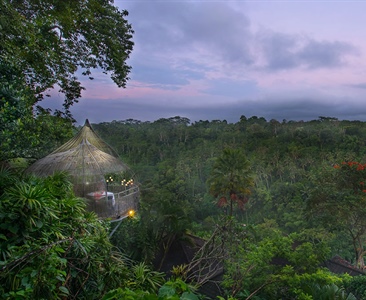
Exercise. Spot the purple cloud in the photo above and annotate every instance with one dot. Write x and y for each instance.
(221, 59)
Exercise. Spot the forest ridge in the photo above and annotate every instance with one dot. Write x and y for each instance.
(286, 159)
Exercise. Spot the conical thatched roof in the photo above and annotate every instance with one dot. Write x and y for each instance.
(89, 160)
(86, 157)
(86, 133)
(86, 164)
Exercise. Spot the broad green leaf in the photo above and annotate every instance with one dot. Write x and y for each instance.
(64, 290)
(188, 296)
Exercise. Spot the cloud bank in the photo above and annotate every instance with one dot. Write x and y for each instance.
(222, 59)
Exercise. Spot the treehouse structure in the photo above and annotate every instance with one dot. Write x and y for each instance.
(97, 174)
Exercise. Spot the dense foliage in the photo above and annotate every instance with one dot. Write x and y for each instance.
(299, 187)
(230, 179)
(300, 201)
(46, 44)
(308, 183)
(51, 248)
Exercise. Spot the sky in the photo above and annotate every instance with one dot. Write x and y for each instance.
(219, 60)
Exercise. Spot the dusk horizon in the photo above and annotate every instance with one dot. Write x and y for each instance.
(208, 60)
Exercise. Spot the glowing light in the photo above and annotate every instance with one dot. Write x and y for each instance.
(131, 213)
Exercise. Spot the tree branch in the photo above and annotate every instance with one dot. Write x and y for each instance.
(16, 262)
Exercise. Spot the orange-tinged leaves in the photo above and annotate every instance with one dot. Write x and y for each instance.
(241, 202)
(222, 202)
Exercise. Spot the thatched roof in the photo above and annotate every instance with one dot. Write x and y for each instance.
(86, 133)
(338, 265)
(85, 163)
(86, 157)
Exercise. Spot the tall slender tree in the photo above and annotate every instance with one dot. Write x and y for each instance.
(231, 179)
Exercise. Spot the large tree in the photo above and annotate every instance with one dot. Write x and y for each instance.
(338, 201)
(47, 43)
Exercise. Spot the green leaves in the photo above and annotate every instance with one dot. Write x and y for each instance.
(145, 279)
(264, 261)
(171, 290)
(64, 291)
(26, 131)
(50, 247)
(231, 178)
(26, 205)
(338, 202)
(49, 40)
(329, 292)
(42, 46)
(357, 286)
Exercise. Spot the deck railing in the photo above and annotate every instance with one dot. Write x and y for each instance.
(118, 206)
